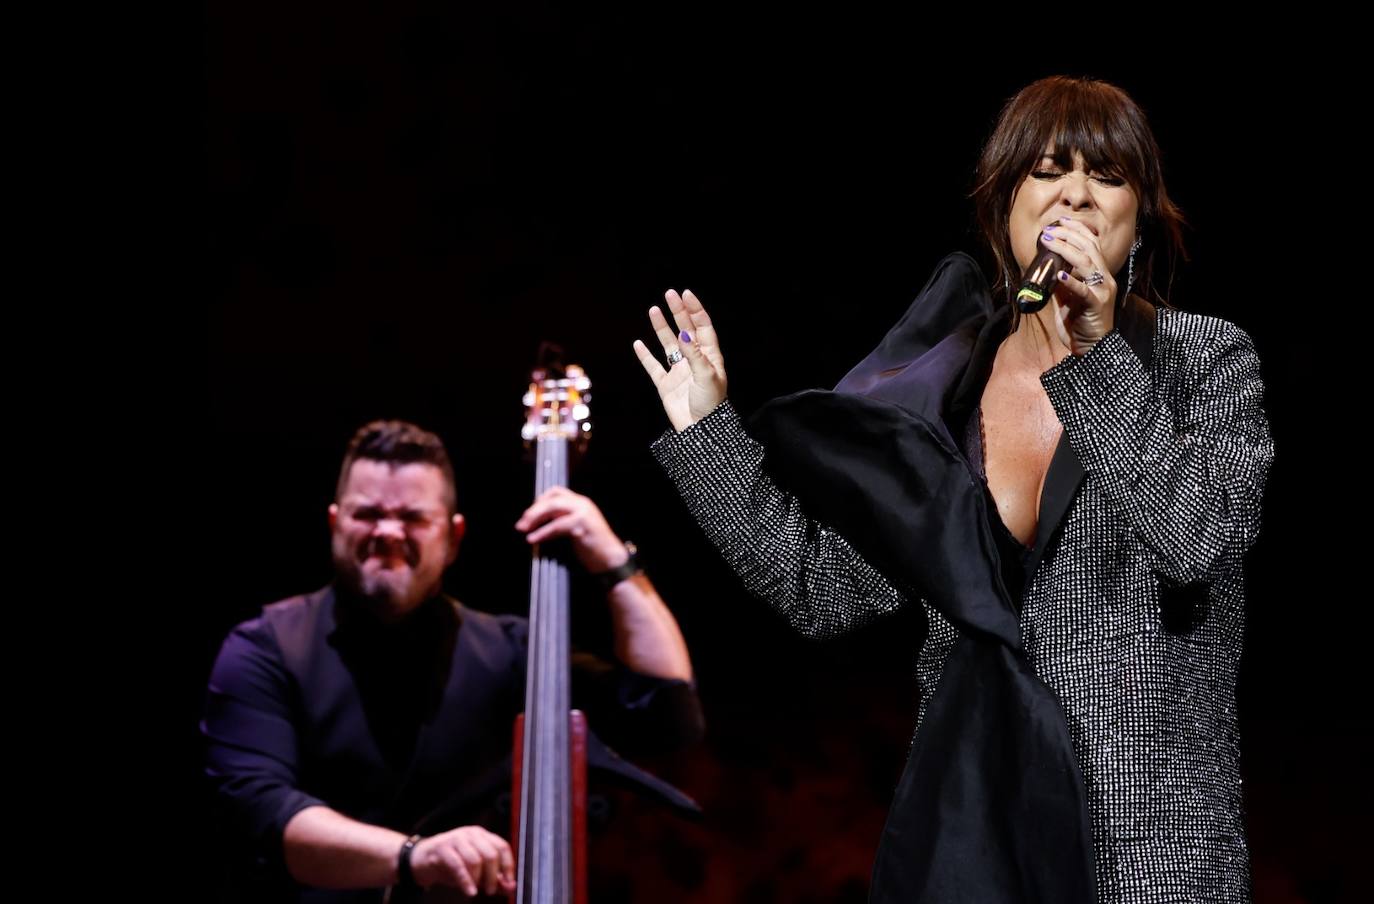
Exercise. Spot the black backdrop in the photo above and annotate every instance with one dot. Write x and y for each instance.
(402, 201)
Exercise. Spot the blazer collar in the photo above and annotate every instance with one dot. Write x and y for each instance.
(937, 359)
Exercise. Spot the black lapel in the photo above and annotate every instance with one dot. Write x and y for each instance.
(1137, 326)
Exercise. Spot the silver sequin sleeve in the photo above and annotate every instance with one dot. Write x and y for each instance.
(1188, 481)
(803, 569)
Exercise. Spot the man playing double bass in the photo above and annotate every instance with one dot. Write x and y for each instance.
(342, 724)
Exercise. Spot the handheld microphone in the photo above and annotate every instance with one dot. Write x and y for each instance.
(1040, 279)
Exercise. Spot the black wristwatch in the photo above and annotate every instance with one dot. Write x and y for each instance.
(405, 878)
(627, 569)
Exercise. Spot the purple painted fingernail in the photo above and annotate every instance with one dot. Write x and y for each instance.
(685, 336)
(1063, 277)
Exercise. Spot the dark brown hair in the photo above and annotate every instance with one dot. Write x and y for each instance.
(1109, 129)
(398, 443)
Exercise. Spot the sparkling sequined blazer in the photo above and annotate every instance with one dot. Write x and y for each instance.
(1132, 604)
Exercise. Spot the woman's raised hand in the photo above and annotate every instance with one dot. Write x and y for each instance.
(693, 384)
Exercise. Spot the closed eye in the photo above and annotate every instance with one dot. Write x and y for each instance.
(1105, 180)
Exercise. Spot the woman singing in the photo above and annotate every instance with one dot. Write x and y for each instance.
(1067, 493)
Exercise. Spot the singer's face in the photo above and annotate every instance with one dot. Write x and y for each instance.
(1103, 201)
(392, 534)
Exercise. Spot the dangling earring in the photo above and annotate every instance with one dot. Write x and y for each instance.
(1130, 272)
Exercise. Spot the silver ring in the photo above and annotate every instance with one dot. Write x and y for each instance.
(1095, 278)
(674, 356)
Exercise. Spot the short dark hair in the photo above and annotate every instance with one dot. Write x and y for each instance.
(398, 443)
(1103, 123)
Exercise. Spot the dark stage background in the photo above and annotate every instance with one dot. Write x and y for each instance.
(403, 201)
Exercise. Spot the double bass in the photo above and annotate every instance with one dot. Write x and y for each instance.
(549, 776)
(553, 744)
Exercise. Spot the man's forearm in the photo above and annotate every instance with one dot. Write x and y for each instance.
(647, 637)
(325, 849)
